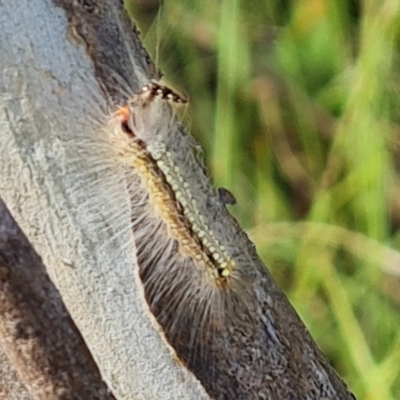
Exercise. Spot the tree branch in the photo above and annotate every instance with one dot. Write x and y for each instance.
(36, 331)
(63, 64)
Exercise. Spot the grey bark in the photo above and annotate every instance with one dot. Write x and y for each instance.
(36, 332)
(61, 62)
(51, 62)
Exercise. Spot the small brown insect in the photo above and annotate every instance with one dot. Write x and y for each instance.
(226, 196)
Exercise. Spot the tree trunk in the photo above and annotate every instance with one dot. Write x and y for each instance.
(63, 63)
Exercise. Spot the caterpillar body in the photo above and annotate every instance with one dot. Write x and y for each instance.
(169, 193)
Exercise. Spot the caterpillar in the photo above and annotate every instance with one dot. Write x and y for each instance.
(187, 259)
(169, 193)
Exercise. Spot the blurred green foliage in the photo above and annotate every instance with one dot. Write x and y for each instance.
(297, 106)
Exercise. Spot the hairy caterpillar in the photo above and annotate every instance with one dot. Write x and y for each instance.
(169, 193)
(157, 159)
(186, 258)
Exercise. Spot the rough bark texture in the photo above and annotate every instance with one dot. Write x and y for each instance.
(36, 332)
(56, 58)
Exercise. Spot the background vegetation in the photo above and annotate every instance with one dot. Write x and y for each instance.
(297, 106)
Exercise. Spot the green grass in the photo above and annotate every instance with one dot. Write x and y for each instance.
(298, 110)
